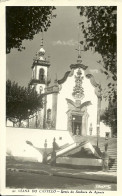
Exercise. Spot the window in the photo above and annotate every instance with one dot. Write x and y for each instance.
(41, 75)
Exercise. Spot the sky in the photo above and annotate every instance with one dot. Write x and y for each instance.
(60, 43)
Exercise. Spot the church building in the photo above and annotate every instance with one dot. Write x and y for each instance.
(72, 103)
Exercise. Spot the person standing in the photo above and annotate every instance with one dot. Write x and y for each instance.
(105, 161)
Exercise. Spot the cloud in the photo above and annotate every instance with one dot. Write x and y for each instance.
(70, 42)
(94, 70)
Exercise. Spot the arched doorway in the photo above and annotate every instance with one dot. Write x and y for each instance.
(77, 124)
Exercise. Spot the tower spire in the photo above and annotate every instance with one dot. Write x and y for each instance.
(79, 49)
(55, 80)
(42, 39)
(41, 52)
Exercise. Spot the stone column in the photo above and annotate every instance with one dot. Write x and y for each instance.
(45, 152)
(53, 155)
(84, 124)
(54, 109)
(45, 111)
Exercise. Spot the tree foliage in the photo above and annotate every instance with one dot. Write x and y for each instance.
(109, 116)
(21, 102)
(99, 29)
(23, 22)
(99, 25)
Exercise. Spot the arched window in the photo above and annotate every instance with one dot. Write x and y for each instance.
(41, 75)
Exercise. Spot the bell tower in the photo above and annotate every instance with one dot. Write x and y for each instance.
(40, 68)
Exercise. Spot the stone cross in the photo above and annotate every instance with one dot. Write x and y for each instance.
(53, 155)
(45, 152)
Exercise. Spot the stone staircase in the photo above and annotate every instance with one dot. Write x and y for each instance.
(112, 151)
(112, 147)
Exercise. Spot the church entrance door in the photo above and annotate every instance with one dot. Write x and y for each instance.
(77, 125)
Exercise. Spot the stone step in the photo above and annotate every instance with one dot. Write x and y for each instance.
(110, 152)
(112, 148)
(112, 169)
(113, 155)
(112, 164)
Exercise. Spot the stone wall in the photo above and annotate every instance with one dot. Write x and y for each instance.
(79, 161)
(16, 141)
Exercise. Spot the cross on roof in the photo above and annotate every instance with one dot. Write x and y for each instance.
(79, 48)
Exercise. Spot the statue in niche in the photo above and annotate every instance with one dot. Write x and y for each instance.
(77, 130)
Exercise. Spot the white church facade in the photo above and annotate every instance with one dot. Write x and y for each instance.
(73, 103)
(70, 116)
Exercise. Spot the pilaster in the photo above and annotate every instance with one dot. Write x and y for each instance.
(54, 108)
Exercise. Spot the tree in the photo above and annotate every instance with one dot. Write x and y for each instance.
(23, 22)
(21, 102)
(99, 29)
(109, 116)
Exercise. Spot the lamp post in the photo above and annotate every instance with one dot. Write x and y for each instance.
(45, 152)
(98, 133)
(99, 95)
(28, 116)
(73, 124)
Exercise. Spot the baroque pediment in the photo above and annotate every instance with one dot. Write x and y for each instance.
(77, 105)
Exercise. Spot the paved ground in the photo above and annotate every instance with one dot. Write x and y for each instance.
(35, 181)
(47, 169)
(30, 174)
